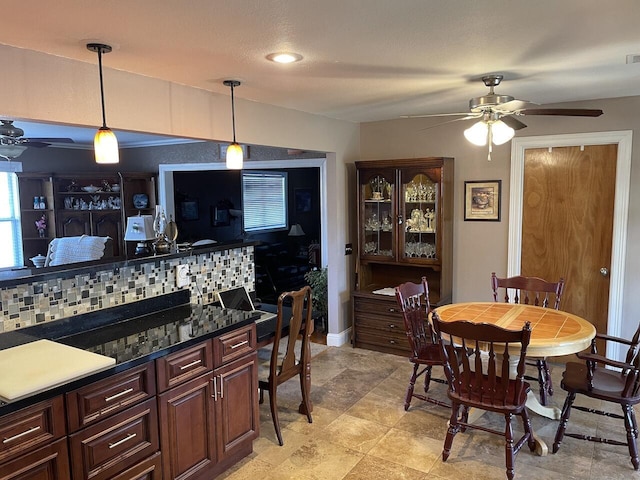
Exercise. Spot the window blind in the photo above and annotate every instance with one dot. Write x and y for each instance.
(10, 231)
(264, 201)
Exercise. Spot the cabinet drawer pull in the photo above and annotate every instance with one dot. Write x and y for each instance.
(118, 395)
(391, 325)
(215, 389)
(125, 439)
(233, 347)
(26, 432)
(189, 365)
(392, 310)
(392, 342)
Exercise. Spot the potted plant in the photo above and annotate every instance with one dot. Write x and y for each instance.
(317, 280)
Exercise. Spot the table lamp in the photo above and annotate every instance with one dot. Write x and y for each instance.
(140, 229)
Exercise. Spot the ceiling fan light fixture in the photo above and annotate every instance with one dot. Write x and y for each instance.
(105, 143)
(477, 133)
(234, 156)
(11, 151)
(501, 132)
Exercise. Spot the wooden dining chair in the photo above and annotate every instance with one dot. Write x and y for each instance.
(538, 292)
(287, 366)
(593, 379)
(476, 362)
(413, 300)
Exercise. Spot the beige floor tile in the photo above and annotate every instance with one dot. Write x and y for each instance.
(413, 451)
(372, 468)
(385, 410)
(354, 433)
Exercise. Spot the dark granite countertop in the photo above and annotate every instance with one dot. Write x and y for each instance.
(130, 334)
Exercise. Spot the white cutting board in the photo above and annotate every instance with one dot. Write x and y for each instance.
(37, 366)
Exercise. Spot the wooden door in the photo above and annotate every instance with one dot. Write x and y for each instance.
(109, 225)
(567, 224)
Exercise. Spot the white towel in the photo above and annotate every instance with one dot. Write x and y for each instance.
(75, 249)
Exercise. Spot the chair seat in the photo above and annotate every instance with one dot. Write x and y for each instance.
(608, 384)
(474, 400)
(428, 353)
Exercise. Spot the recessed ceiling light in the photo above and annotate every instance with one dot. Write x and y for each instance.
(284, 57)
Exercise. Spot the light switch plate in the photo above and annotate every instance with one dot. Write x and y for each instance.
(182, 276)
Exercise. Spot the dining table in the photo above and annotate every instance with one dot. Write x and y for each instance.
(553, 333)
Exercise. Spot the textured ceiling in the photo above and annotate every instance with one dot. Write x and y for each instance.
(364, 60)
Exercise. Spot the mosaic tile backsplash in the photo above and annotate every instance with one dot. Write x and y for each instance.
(43, 301)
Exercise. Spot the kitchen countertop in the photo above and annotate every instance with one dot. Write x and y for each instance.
(129, 334)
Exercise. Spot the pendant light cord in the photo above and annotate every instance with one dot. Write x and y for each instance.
(233, 114)
(104, 116)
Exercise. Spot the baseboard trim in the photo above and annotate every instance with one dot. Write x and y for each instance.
(339, 339)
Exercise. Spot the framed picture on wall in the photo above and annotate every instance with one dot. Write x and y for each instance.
(482, 200)
(189, 210)
(303, 200)
(220, 217)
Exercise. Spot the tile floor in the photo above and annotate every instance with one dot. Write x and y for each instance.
(361, 431)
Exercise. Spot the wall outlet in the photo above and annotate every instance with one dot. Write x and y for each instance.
(182, 276)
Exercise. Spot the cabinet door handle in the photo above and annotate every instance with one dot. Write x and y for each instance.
(392, 342)
(233, 347)
(391, 325)
(26, 432)
(392, 310)
(215, 389)
(125, 439)
(118, 395)
(189, 365)
(221, 387)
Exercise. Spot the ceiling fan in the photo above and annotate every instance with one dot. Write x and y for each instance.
(13, 142)
(497, 115)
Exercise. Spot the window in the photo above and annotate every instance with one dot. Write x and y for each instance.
(11, 253)
(264, 201)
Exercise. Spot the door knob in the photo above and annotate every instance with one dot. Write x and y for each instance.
(604, 271)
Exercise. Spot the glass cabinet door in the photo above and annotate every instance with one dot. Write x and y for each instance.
(378, 216)
(419, 207)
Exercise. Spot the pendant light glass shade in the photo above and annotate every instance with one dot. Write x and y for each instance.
(497, 132)
(235, 156)
(105, 143)
(105, 146)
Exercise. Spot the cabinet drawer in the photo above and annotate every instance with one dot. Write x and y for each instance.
(184, 365)
(31, 427)
(89, 404)
(379, 307)
(111, 445)
(387, 344)
(233, 345)
(50, 462)
(378, 322)
(148, 469)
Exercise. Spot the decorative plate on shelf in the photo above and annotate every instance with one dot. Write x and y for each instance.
(91, 189)
(140, 200)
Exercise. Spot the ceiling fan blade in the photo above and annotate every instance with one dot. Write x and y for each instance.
(49, 140)
(514, 106)
(440, 115)
(569, 112)
(513, 122)
(468, 117)
(30, 143)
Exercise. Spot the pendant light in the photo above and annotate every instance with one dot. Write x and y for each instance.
(105, 143)
(234, 151)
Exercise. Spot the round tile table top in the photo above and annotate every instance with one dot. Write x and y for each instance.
(553, 332)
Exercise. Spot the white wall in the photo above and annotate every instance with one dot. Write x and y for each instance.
(54, 89)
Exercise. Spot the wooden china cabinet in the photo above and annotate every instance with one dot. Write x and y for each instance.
(405, 232)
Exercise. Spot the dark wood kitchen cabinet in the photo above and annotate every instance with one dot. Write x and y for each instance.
(405, 232)
(209, 422)
(34, 444)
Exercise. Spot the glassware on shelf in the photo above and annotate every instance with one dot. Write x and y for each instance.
(370, 248)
